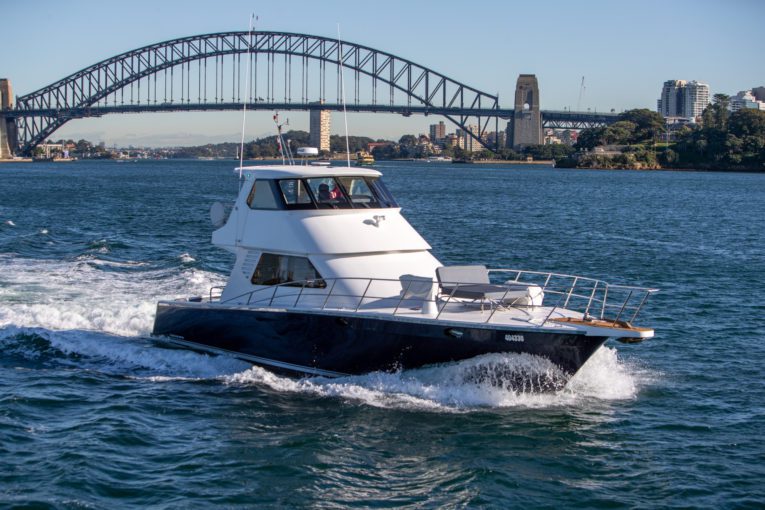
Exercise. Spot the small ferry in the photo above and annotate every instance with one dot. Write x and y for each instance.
(330, 279)
(363, 158)
(439, 159)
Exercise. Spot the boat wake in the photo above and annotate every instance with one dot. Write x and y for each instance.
(87, 316)
(490, 381)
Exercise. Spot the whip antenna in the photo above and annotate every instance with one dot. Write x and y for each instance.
(246, 88)
(342, 92)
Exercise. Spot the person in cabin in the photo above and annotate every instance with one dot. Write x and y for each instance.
(324, 194)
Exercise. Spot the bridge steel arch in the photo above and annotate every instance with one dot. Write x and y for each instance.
(101, 88)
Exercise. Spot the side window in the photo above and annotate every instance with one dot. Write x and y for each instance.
(294, 192)
(382, 193)
(273, 269)
(328, 193)
(359, 192)
(262, 196)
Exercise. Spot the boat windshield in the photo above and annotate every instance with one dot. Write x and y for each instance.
(345, 192)
(328, 193)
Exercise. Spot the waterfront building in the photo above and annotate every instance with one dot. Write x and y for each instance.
(437, 132)
(568, 136)
(759, 93)
(551, 138)
(319, 128)
(468, 142)
(680, 98)
(371, 146)
(496, 138)
(745, 99)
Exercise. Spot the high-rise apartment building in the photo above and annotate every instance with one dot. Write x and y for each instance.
(437, 132)
(680, 98)
(467, 142)
(318, 135)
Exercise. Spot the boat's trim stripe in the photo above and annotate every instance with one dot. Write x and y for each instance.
(257, 360)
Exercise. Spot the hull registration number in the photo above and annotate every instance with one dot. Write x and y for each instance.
(514, 338)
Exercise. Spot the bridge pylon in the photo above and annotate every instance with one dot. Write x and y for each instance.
(7, 124)
(526, 126)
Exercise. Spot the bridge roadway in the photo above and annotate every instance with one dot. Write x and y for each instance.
(557, 119)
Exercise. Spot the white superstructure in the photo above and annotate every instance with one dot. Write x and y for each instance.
(282, 228)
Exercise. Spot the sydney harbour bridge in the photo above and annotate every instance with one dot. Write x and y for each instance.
(273, 71)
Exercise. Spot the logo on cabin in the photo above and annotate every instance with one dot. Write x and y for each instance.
(514, 338)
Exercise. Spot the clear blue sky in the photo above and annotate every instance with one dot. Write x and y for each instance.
(625, 50)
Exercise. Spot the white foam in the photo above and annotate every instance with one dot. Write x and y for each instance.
(186, 258)
(446, 388)
(10, 223)
(65, 295)
(44, 231)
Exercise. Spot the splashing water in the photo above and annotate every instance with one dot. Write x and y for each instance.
(80, 308)
(83, 294)
(452, 387)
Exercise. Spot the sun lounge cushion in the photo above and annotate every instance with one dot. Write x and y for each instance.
(472, 282)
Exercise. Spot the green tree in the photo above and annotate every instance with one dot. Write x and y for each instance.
(620, 133)
(748, 122)
(648, 124)
(590, 138)
(408, 141)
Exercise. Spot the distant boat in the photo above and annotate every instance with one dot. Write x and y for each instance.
(363, 158)
(439, 159)
(53, 159)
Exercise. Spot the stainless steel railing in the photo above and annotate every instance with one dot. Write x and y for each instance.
(592, 298)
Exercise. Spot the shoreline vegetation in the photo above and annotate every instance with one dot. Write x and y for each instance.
(640, 140)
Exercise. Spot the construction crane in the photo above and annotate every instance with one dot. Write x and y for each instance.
(581, 94)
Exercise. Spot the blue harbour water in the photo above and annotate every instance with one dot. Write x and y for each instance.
(94, 414)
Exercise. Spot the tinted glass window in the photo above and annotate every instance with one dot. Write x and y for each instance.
(273, 269)
(328, 193)
(294, 192)
(262, 196)
(359, 192)
(382, 193)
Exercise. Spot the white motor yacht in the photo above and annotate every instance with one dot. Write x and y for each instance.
(330, 279)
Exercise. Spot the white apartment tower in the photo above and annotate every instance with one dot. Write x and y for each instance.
(319, 129)
(680, 98)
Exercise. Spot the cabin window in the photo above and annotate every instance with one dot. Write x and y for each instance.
(386, 199)
(359, 192)
(295, 194)
(262, 195)
(328, 193)
(273, 269)
(335, 193)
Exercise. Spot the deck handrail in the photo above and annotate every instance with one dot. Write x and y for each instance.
(591, 297)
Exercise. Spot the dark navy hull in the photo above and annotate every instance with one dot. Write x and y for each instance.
(319, 343)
